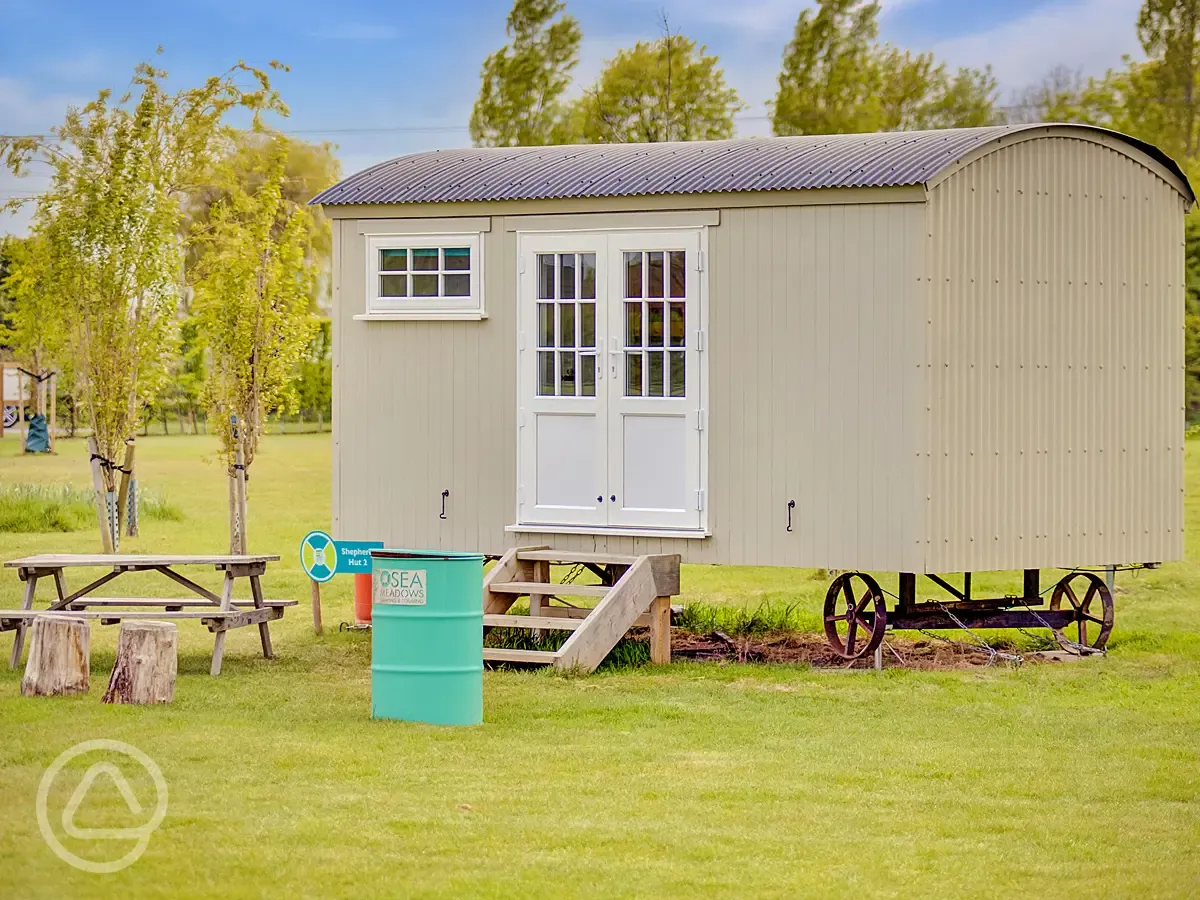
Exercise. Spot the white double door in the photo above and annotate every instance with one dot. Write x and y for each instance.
(610, 409)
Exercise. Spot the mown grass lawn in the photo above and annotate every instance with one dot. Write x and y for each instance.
(1076, 779)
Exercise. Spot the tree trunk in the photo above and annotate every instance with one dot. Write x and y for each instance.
(101, 498)
(59, 657)
(123, 486)
(147, 661)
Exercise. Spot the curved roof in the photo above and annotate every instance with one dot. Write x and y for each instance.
(891, 159)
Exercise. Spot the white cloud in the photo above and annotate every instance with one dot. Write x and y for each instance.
(1085, 35)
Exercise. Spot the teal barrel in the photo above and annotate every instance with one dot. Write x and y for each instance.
(427, 636)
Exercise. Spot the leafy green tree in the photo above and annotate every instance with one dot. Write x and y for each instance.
(837, 78)
(252, 294)
(308, 170)
(314, 374)
(1167, 32)
(522, 84)
(111, 222)
(35, 329)
(664, 90)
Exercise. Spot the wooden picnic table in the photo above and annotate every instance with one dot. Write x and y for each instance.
(220, 613)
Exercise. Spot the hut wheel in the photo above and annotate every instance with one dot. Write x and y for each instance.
(855, 616)
(1094, 620)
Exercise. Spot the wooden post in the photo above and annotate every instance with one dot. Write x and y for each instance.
(240, 475)
(21, 407)
(106, 534)
(27, 603)
(3, 401)
(316, 606)
(52, 419)
(59, 658)
(123, 490)
(660, 630)
(147, 661)
(219, 640)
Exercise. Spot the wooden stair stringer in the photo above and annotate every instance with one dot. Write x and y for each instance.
(648, 578)
(508, 568)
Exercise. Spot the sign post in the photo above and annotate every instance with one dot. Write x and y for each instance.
(323, 557)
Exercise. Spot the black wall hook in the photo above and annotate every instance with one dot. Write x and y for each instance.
(445, 494)
(791, 506)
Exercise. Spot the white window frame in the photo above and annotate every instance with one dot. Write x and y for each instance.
(411, 308)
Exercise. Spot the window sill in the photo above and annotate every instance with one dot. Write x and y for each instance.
(599, 531)
(449, 315)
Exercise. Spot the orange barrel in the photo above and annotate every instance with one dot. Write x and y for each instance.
(362, 598)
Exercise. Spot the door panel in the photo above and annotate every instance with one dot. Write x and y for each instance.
(563, 443)
(654, 384)
(653, 450)
(610, 379)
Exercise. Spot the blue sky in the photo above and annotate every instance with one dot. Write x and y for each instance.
(384, 78)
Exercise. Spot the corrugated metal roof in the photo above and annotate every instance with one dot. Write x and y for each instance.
(806, 162)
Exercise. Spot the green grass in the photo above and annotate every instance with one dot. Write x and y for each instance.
(40, 508)
(684, 780)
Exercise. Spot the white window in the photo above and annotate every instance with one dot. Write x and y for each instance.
(426, 276)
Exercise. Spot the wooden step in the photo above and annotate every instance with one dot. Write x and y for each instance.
(545, 589)
(500, 654)
(552, 623)
(568, 558)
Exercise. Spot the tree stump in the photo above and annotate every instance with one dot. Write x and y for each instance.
(147, 659)
(59, 657)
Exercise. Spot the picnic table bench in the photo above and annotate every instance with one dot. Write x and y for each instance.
(220, 613)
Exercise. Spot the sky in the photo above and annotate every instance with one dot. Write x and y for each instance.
(380, 79)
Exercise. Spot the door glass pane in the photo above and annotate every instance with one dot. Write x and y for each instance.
(458, 259)
(587, 375)
(393, 260)
(678, 373)
(587, 324)
(633, 374)
(425, 259)
(566, 374)
(654, 329)
(545, 276)
(656, 374)
(678, 324)
(678, 274)
(566, 324)
(566, 276)
(425, 285)
(546, 373)
(633, 324)
(587, 263)
(655, 286)
(633, 274)
(456, 285)
(393, 285)
(545, 324)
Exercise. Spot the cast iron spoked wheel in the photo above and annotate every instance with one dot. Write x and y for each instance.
(1094, 612)
(855, 615)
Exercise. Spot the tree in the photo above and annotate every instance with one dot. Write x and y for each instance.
(309, 169)
(1167, 32)
(837, 79)
(520, 97)
(663, 90)
(252, 304)
(111, 223)
(35, 329)
(314, 375)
